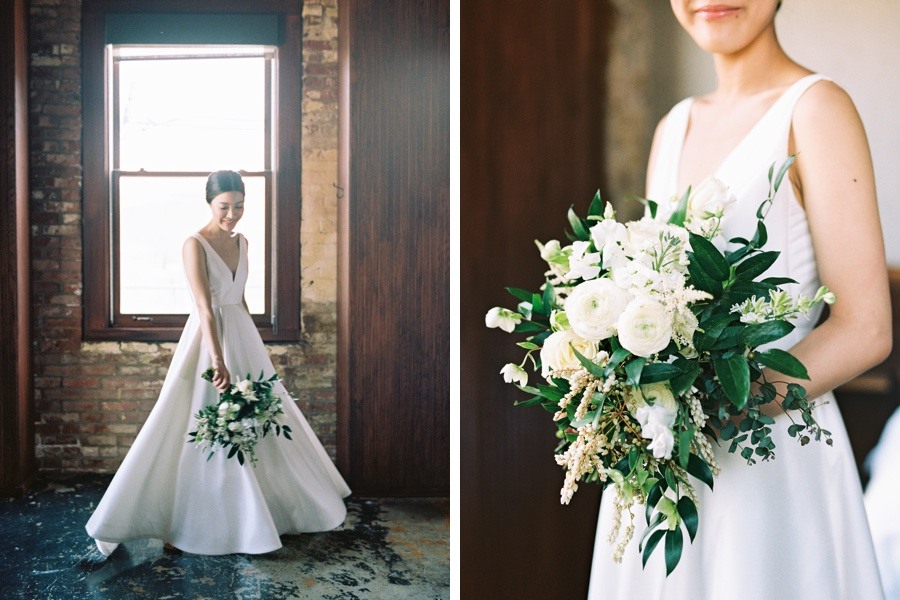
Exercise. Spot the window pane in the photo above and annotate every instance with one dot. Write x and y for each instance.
(156, 215)
(192, 114)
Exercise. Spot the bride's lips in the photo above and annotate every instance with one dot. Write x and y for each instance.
(711, 12)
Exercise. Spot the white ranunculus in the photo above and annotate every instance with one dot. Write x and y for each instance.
(593, 308)
(557, 351)
(513, 373)
(660, 394)
(583, 264)
(709, 198)
(503, 318)
(645, 327)
(607, 231)
(245, 387)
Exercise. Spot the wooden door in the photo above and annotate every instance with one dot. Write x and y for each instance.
(393, 318)
(532, 79)
(16, 420)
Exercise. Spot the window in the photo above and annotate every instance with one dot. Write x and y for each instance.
(168, 98)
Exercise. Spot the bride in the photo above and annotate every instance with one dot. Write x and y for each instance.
(794, 527)
(165, 488)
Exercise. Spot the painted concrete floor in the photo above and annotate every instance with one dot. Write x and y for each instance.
(387, 548)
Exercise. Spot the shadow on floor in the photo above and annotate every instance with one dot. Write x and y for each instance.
(387, 548)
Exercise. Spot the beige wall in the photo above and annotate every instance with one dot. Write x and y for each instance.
(854, 43)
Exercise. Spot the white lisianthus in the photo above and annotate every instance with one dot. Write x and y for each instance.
(606, 232)
(709, 199)
(245, 387)
(593, 308)
(583, 264)
(645, 327)
(503, 318)
(557, 351)
(662, 439)
(513, 373)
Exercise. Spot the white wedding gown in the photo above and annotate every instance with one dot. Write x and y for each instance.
(791, 528)
(166, 489)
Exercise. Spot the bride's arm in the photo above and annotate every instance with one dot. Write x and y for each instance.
(195, 268)
(834, 174)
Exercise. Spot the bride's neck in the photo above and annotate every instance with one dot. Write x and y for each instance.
(758, 67)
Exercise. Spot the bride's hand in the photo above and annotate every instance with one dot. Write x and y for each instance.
(221, 378)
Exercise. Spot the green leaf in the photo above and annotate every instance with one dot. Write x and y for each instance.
(734, 375)
(529, 327)
(710, 329)
(698, 468)
(530, 402)
(782, 171)
(783, 362)
(688, 512)
(520, 293)
(537, 305)
(680, 212)
(755, 265)
(587, 363)
(701, 280)
(551, 393)
(633, 370)
(762, 333)
(240, 457)
(683, 382)
(653, 208)
(655, 372)
(760, 237)
(528, 345)
(674, 543)
(596, 208)
(578, 227)
(652, 543)
(684, 446)
(711, 260)
(618, 355)
(548, 298)
(778, 280)
(233, 451)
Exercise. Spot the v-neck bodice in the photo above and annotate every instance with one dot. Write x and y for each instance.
(745, 171)
(225, 287)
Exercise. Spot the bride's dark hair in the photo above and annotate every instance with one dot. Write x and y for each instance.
(220, 182)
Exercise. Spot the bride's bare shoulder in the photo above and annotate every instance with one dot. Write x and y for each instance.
(825, 107)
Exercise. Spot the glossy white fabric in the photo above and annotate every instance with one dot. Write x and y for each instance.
(790, 528)
(165, 487)
(882, 500)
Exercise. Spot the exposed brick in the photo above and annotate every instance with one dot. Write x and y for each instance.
(91, 398)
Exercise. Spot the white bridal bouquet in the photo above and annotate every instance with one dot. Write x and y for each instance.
(245, 413)
(648, 336)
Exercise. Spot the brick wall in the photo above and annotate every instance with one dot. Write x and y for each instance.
(92, 398)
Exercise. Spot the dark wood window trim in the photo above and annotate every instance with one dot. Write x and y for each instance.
(282, 323)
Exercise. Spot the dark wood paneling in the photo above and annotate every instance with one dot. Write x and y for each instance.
(532, 112)
(393, 357)
(16, 420)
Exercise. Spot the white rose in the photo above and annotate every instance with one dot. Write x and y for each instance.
(642, 234)
(593, 308)
(503, 318)
(607, 231)
(513, 373)
(557, 351)
(645, 327)
(583, 264)
(709, 198)
(223, 407)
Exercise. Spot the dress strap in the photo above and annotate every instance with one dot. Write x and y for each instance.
(664, 178)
